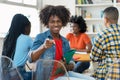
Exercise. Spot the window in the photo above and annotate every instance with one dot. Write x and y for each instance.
(18, 1)
(7, 13)
(30, 2)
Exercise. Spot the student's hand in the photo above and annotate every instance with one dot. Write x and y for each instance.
(48, 43)
(70, 67)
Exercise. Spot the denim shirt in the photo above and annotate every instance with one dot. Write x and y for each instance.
(39, 40)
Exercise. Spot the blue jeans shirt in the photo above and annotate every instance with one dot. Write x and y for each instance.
(49, 53)
(39, 40)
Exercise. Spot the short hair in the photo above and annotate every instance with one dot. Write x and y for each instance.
(59, 11)
(111, 13)
(80, 21)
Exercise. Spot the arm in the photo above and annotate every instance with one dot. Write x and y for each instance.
(88, 43)
(88, 48)
(97, 48)
(40, 50)
(69, 66)
(37, 53)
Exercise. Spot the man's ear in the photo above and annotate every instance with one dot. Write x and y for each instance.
(105, 19)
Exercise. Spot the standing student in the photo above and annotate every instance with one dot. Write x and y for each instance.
(51, 42)
(79, 40)
(107, 44)
(17, 43)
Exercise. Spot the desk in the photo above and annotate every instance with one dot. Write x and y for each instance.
(81, 57)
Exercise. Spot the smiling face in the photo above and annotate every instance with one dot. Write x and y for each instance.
(55, 24)
(75, 28)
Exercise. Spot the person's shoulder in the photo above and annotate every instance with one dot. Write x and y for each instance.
(106, 31)
(70, 34)
(26, 37)
(64, 39)
(23, 36)
(84, 34)
(42, 35)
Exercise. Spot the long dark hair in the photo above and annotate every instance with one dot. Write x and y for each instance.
(18, 24)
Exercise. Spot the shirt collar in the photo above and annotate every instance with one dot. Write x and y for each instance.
(113, 25)
(50, 36)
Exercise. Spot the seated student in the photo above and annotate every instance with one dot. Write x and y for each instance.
(79, 40)
(18, 43)
(106, 47)
(51, 42)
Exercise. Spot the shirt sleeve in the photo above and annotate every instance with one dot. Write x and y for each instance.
(30, 42)
(68, 36)
(36, 44)
(97, 48)
(86, 39)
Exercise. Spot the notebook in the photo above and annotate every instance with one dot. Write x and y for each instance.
(69, 55)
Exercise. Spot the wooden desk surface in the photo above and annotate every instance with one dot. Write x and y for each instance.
(82, 57)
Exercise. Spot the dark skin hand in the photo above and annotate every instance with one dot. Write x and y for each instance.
(69, 67)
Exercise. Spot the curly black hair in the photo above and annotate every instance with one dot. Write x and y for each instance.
(80, 21)
(50, 10)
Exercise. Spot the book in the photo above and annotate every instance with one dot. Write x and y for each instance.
(79, 2)
(69, 55)
(84, 57)
(90, 2)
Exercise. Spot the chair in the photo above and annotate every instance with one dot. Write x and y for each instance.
(49, 70)
(8, 71)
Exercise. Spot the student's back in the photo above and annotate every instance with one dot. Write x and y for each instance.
(23, 45)
(107, 44)
(19, 25)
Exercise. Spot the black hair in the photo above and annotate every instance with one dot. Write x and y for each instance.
(18, 24)
(60, 11)
(80, 21)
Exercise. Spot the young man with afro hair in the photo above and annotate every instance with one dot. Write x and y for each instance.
(50, 44)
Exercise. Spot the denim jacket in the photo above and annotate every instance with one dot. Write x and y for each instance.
(39, 40)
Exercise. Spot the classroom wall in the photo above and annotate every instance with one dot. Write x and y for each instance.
(70, 4)
(1, 45)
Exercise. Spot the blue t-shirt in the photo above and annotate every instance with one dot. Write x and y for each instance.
(23, 45)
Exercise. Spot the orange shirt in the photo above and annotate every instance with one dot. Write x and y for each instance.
(78, 42)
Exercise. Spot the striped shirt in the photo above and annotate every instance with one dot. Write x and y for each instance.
(105, 49)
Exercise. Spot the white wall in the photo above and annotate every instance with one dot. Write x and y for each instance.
(70, 4)
(67, 3)
(1, 45)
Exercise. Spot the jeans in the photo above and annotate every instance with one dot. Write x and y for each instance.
(81, 66)
(25, 75)
(75, 76)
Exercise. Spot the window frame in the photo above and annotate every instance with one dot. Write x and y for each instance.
(20, 4)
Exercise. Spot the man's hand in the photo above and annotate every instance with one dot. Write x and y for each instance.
(70, 67)
(48, 43)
